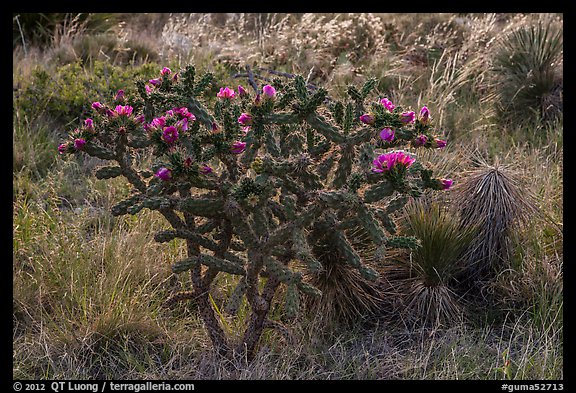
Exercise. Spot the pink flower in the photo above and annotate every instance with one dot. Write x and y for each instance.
(164, 174)
(170, 112)
(89, 124)
(446, 183)
(387, 134)
(170, 134)
(182, 124)
(245, 130)
(238, 147)
(420, 140)
(387, 104)
(205, 169)
(62, 148)
(424, 115)
(183, 112)
(148, 89)
(439, 143)
(158, 122)
(226, 93)
(241, 91)
(119, 95)
(97, 106)
(407, 117)
(140, 119)
(79, 144)
(245, 119)
(269, 91)
(123, 110)
(367, 118)
(165, 71)
(155, 82)
(387, 162)
(110, 112)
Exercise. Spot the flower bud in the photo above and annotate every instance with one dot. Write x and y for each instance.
(407, 117)
(79, 143)
(245, 119)
(446, 183)
(387, 104)
(367, 118)
(238, 147)
(387, 134)
(269, 91)
(164, 174)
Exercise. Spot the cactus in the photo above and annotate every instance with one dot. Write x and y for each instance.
(255, 182)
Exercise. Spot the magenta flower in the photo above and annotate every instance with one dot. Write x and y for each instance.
(110, 112)
(98, 107)
(183, 112)
(238, 147)
(424, 114)
(387, 134)
(79, 144)
(420, 140)
(140, 119)
(148, 89)
(269, 91)
(175, 77)
(170, 134)
(214, 128)
(155, 82)
(387, 162)
(165, 71)
(407, 117)
(245, 130)
(170, 112)
(367, 118)
(158, 122)
(226, 93)
(205, 169)
(164, 174)
(446, 183)
(123, 110)
(387, 104)
(245, 119)
(62, 148)
(241, 91)
(89, 124)
(182, 124)
(439, 143)
(119, 95)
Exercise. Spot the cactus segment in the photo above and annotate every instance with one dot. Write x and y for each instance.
(108, 172)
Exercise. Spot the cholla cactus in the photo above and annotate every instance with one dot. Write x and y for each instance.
(257, 181)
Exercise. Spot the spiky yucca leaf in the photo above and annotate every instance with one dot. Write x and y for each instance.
(442, 241)
(529, 67)
(423, 278)
(346, 295)
(492, 198)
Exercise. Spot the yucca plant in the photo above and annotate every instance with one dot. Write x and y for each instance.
(424, 278)
(528, 65)
(347, 295)
(492, 198)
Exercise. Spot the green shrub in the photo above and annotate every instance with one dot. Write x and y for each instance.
(62, 93)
